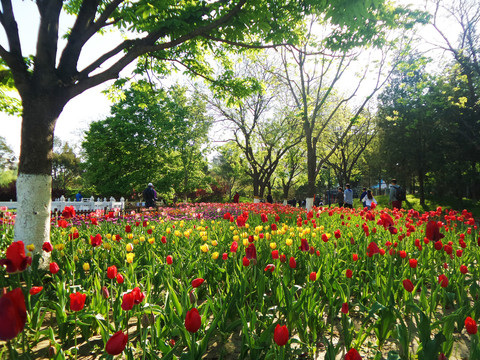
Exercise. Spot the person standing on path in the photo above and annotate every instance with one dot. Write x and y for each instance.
(394, 192)
(348, 197)
(149, 196)
(364, 203)
(339, 197)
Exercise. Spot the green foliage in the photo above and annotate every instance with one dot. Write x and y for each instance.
(152, 136)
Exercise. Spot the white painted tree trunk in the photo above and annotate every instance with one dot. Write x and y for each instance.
(285, 202)
(32, 223)
(256, 200)
(309, 204)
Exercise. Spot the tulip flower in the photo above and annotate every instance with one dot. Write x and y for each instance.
(251, 252)
(345, 308)
(443, 280)
(197, 282)
(463, 269)
(408, 285)
(13, 314)
(77, 301)
(193, 321)
(280, 335)
(54, 268)
(269, 267)
(412, 263)
(47, 246)
(433, 231)
(470, 325)
(112, 272)
(35, 290)
(120, 278)
(313, 276)
(245, 261)
(96, 240)
(352, 354)
(234, 247)
(169, 260)
(116, 344)
(349, 273)
(138, 295)
(68, 212)
(16, 261)
(128, 301)
(292, 263)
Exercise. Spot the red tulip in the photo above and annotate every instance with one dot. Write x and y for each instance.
(105, 292)
(116, 344)
(283, 258)
(443, 280)
(304, 245)
(292, 263)
(274, 254)
(251, 252)
(471, 325)
(234, 247)
(313, 276)
(77, 301)
(280, 335)
(128, 301)
(35, 290)
(224, 256)
(13, 314)
(68, 212)
(193, 321)
(197, 282)
(169, 260)
(345, 308)
(47, 246)
(245, 261)
(433, 231)
(349, 273)
(96, 240)
(138, 295)
(112, 272)
(352, 354)
(128, 228)
(120, 278)
(16, 260)
(355, 257)
(408, 285)
(270, 267)
(54, 268)
(463, 269)
(413, 263)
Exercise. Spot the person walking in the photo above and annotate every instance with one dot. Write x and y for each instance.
(368, 199)
(394, 196)
(348, 197)
(364, 192)
(149, 196)
(79, 196)
(339, 198)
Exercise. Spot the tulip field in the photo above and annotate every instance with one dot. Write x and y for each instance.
(243, 281)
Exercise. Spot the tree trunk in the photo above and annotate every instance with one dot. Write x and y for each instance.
(34, 183)
(311, 171)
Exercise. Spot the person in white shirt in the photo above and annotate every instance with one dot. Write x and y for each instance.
(369, 199)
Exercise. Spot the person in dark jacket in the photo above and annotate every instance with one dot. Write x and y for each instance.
(149, 196)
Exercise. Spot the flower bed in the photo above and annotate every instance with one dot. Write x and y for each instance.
(256, 281)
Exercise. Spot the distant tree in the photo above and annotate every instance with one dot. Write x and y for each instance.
(66, 166)
(152, 135)
(7, 156)
(229, 168)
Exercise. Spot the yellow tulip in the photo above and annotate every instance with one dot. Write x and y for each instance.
(129, 247)
(204, 248)
(130, 236)
(151, 240)
(86, 266)
(30, 247)
(289, 242)
(130, 257)
(273, 245)
(214, 243)
(142, 238)
(108, 236)
(245, 242)
(215, 255)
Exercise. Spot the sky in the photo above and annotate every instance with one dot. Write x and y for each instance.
(87, 107)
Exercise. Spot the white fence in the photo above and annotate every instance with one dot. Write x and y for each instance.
(87, 204)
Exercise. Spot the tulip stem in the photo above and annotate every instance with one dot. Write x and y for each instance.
(192, 348)
(75, 334)
(12, 352)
